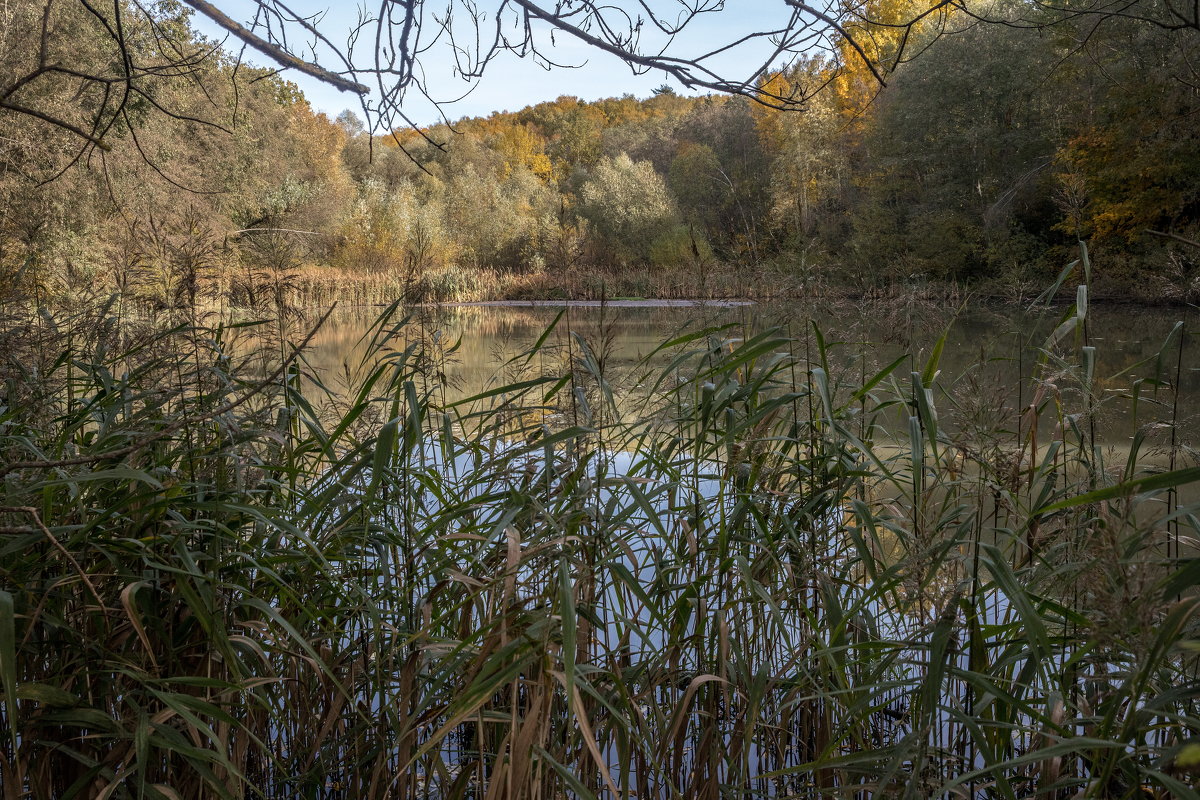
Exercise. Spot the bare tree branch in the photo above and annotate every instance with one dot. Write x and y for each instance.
(276, 52)
(61, 123)
(1174, 236)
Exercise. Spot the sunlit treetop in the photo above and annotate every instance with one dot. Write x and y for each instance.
(387, 56)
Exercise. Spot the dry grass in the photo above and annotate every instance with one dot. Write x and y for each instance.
(317, 285)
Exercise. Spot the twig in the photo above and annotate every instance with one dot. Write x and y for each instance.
(1175, 236)
(279, 230)
(33, 112)
(274, 51)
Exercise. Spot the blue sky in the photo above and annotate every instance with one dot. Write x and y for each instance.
(511, 83)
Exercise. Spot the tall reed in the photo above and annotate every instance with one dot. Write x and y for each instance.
(751, 565)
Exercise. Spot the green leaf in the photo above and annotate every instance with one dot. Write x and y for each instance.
(931, 366)
(567, 600)
(46, 695)
(1188, 756)
(8, 662)
(1149, 483)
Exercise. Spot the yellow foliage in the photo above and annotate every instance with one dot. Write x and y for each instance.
(522, 145)
(879, 35)
(766, 118)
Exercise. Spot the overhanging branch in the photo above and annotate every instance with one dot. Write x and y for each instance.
(275, 52)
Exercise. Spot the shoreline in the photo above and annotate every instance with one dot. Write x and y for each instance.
(724, 287)
(624, 302)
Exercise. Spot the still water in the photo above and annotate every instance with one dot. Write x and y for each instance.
(993, 362)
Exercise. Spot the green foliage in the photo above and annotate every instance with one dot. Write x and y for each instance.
(401, 231)
(989, 152)
(1135, 167)
(628, 205)
(221, 577)
(680, 245)
(497, 220)
(697, 182)
(960, 145)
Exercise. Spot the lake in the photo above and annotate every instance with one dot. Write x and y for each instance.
(641, 519)
(988, 350)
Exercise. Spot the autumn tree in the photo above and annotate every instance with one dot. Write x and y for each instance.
(958, 153)
(629, 206)
(1138, 152)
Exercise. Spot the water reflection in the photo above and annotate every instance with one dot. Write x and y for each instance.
(660, 569)
(991, 367)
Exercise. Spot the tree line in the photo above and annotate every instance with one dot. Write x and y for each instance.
(991, 150)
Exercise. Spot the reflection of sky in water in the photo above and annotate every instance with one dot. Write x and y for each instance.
(662, 578)
(661, 575)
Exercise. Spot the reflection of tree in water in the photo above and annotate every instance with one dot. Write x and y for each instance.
(988, 349)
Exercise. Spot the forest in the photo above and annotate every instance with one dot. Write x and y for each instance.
(912, 513)
(982, 162)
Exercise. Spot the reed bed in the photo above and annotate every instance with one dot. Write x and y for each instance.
(784, 576)
(321, 285)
